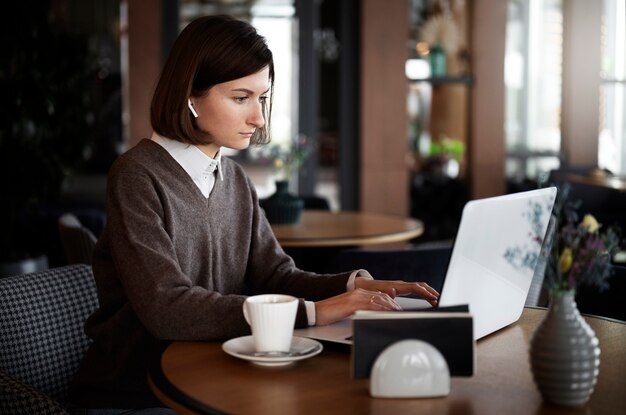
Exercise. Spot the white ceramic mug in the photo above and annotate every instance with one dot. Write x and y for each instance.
(272, 318)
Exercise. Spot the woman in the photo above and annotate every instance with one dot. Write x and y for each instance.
(185, 237)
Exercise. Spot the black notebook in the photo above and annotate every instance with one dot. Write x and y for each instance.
(450, 330)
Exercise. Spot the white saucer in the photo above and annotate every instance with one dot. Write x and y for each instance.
(242, 347)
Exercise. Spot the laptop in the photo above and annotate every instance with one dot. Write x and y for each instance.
(495, 252)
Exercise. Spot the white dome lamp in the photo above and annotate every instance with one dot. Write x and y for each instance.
(410, 369)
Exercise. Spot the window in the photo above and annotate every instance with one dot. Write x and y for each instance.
(533, 66)
(533, 78)
(275, 21)
(612, 139)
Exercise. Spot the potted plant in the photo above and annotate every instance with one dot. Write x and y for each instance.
(564, 350)
(282, 206)
(444, 157)
(45, 128)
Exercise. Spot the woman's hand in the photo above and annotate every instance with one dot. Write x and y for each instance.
(394, 288)
(343, 305)
(370, 295)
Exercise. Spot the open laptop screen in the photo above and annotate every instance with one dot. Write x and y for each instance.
(492, 264)
(494, 256)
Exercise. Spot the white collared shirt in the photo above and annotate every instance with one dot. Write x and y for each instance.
(201, 168)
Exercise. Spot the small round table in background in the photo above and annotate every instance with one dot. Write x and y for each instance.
(336, 229)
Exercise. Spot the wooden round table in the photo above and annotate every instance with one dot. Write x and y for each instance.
(197, 377)
(334, 229)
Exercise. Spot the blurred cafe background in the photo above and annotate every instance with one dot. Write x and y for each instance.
(409, 107)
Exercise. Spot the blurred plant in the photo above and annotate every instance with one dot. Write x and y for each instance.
(447, 147)
(287, 159)
(444, 156)
(581, 252)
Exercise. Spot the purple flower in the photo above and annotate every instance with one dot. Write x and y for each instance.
(586, 257)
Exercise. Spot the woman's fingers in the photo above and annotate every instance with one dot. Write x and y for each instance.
(390, 290)
(429, 294)
(429, 288)
(420, 288)
(394, 288)
(376, 295)
(343, 305)
(378, 300)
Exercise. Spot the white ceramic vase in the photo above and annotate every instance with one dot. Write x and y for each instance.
(564, 354)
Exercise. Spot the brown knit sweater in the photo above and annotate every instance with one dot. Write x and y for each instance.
(172, 265)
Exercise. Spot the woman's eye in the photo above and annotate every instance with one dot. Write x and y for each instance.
(262, 99)
(240, 100)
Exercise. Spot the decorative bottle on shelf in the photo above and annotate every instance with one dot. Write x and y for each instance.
(437, 60)
(282, 207)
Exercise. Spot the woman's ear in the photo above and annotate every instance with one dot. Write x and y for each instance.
(191, 108)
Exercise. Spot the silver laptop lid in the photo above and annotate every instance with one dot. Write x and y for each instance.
(494, 256)
(492, 264)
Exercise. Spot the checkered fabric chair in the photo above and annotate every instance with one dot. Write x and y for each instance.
(41, 336)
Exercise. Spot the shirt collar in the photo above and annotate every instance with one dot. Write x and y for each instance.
(191, 158)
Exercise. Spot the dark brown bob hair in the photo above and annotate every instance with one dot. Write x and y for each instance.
(209, 51)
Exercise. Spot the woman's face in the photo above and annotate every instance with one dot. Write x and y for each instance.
(230, 112)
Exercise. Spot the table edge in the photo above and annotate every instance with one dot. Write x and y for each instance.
(165, 390)
(352, 241)
(594, 316)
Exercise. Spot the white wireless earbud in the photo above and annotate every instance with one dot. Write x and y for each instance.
(193, 111)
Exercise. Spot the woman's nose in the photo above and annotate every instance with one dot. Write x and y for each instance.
(256, 117)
